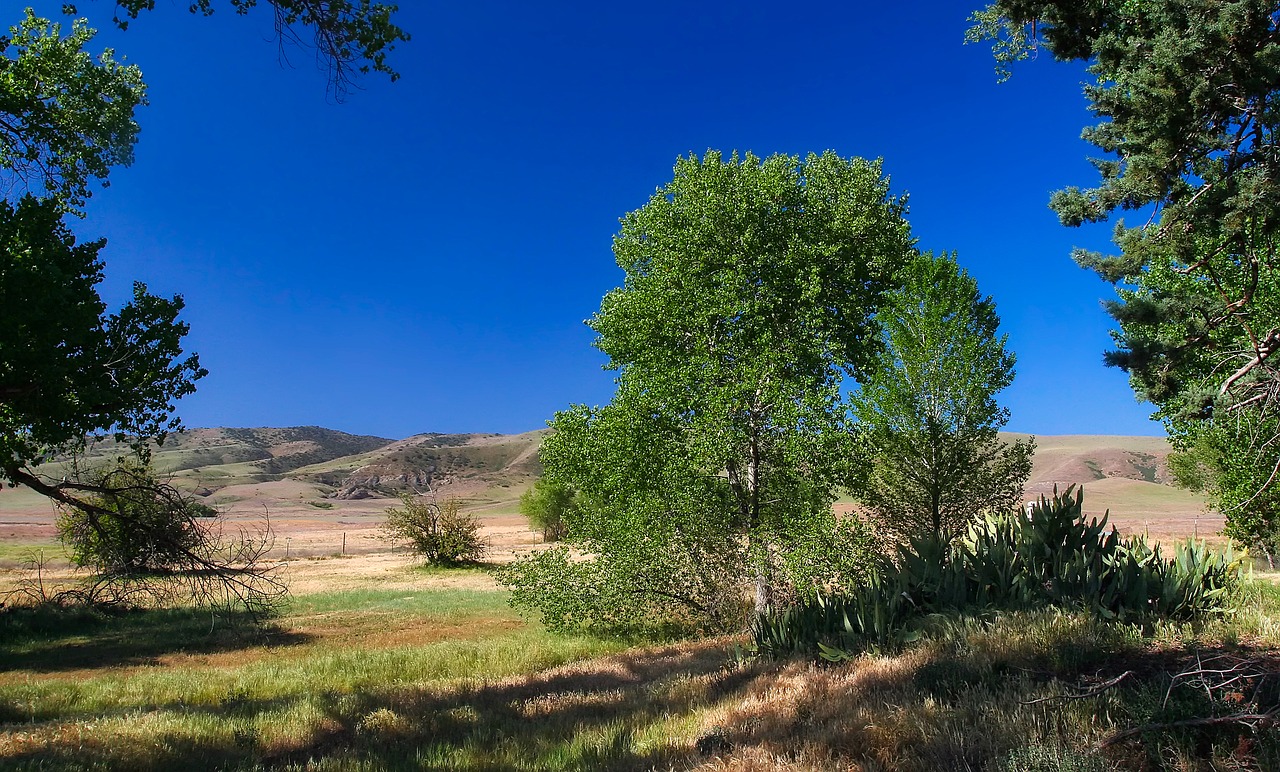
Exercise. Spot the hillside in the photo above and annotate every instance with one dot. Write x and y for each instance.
(1067, 459)
(432, 461)
(1127, 476)
(345, 465)
(1121, 474)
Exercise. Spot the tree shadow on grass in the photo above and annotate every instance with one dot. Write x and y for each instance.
(961, 704)
(48, 639)
(587, 715)
(590, 715)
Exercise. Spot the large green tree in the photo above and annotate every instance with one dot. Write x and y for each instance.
(927, 411)
(68, 368)
(1187, 93)
(748, 300)
(66, 116)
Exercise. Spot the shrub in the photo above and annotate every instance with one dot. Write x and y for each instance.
(657, 587)
(546, 505)
(136, 525)
(142, 540)
(1010, 561)
(442, 533)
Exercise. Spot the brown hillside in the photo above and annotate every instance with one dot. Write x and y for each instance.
(1064, 460)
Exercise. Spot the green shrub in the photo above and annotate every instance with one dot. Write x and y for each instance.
(655, 588)
(441, 533)
(137, 525)
(1054, 557)
(548, 505)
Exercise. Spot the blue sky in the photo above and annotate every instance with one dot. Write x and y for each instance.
(422, 256)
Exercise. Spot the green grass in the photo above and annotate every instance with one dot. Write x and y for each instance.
(18, 553)
(157, 689)
(451, 678)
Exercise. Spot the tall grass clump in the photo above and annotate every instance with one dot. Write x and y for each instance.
(1051, 557)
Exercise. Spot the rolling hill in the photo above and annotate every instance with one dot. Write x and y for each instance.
(268, 467)
(215, 458)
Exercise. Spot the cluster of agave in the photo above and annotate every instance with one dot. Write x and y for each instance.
(1052, 556)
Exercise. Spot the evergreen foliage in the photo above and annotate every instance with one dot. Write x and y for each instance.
(1187, 95)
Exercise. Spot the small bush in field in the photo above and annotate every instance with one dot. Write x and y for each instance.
(441, 533)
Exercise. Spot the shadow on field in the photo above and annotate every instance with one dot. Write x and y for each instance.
(583, 716)
(579, 716)
(53, 639)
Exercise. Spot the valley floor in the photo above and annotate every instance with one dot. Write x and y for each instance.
(380, 663)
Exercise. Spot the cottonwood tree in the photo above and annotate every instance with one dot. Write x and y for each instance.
(68, 368)
(1187, 96)
(747, 303)
(927, 413)
(548, 507)
(66, 117)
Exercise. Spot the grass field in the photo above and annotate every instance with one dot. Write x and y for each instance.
(409, 668)
(377, 663)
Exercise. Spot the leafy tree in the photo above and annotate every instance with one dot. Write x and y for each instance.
(1187, 93)
(68, 369)
(441, 533)
(66, 117)
(748, 297)
(349, 36)
(547, 505)
(927, 413)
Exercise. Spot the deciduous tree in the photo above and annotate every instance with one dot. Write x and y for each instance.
(548, 506)
(66, 116)
(927, 411)
(349, 36)
(747, 303)
(68, 368)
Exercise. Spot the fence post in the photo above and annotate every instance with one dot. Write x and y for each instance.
(344, 542)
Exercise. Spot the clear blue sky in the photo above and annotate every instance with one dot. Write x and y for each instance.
(422, 256)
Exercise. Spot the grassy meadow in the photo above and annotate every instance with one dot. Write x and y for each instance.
(414, 668)
(379, 663)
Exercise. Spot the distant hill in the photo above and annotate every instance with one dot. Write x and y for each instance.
(1113, 470)
(1078, 459)
(273, 451)
(432, 461)
(1123, 475)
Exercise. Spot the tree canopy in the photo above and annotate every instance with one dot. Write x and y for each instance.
(66, 117)
(68, 368)
(927, 412)
(748, 300)
(349, 36)
(1187, 94)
